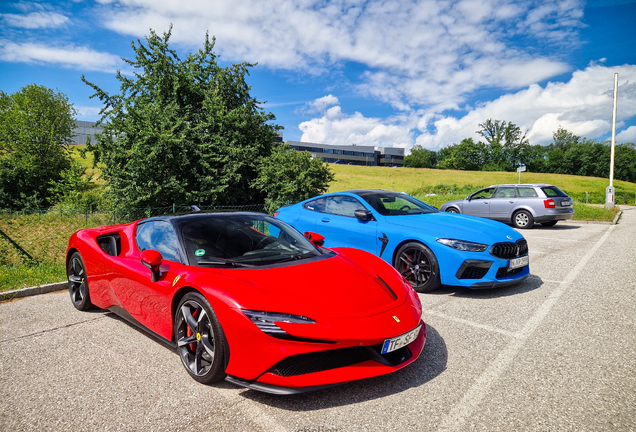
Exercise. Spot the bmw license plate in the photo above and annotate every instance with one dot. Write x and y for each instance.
(519, 262)
(400, 341)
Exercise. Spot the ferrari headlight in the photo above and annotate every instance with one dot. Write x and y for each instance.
(463, 245)
(266, 321)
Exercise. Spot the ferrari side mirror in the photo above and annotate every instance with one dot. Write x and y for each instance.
(363, 215)
(315, 238)
(152, 259)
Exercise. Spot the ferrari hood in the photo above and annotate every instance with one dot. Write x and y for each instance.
(334, 287)
(457, 226)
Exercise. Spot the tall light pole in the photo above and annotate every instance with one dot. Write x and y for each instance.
(609, 191)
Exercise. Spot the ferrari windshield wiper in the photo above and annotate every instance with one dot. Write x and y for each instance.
(297, 256)
(224, 261)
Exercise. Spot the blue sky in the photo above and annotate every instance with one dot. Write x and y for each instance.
(385, 73)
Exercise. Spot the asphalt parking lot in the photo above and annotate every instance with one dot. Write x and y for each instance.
(554, 353)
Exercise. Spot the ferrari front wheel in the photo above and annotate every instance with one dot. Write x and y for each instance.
(418, 265)
(200, 339)
(77, 283)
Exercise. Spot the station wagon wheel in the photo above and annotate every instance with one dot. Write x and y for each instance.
(418, 265)
(451, 210)
(200, 339)
(77, 283)
(522, 219)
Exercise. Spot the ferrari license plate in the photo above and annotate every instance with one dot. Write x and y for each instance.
(519, 262)
(400, 341)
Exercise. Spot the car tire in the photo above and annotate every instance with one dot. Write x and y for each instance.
(522, 219)
(418, 265)
(78, 283)
(452, 210)
(549, 224)
(200, 339)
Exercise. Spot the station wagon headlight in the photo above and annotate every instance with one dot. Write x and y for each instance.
(463, 245)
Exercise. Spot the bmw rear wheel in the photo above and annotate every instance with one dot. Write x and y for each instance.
(451, 210)
(77, 283)
(200, 339)
(418, 265)
(522, 219)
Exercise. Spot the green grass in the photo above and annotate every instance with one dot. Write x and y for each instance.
(22, 276)
(416, 181)
(45, 235)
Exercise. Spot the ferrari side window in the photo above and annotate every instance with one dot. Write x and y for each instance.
(159, 236)
(343, 206)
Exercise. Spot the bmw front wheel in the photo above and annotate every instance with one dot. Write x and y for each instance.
(418, 265)
(200, 339)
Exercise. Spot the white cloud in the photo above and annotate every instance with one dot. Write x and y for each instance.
(628, 135)
(319, 105)
(34, 20)
(416, 53)
(335, 127)
(582, 105)
(67, 56)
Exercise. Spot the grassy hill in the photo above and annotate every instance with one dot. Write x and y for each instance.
(458, 184)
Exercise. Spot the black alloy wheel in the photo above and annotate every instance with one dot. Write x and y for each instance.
(200, 339)
(77, 283)
(418, 265)
(451, 210)
(522, 219)
(549, 224)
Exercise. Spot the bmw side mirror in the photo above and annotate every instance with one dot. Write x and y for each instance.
(364, 215)
(315, 238)
(152, 259)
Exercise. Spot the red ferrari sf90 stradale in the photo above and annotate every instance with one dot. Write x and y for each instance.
(245, 297)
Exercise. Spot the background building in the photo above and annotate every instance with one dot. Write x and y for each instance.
(352, 154)
(85, 129)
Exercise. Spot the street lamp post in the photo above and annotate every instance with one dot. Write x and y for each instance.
(609, 191)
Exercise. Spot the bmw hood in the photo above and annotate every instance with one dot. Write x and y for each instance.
(457, 226)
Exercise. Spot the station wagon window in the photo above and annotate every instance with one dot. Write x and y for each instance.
(159, 236)
(343, 206)
(506, 192)
(483, 194)
(527, 192)
(553, 191)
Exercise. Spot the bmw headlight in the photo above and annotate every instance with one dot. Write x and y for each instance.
(266, 321)
(463, 245)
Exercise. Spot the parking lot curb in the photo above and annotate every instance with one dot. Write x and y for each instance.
(617, 217)
(31, 291)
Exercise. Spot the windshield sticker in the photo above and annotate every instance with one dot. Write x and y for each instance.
(199, 252)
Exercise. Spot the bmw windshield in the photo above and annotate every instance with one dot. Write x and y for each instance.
(243, 241)
(396, 204)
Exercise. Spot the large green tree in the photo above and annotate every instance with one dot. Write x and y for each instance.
(290, 176)
(420, 158)
(507, 143)
(36, 127)
(183, 131)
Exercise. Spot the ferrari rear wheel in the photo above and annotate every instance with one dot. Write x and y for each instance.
(418, 265)
(200, 339)
(77, 283)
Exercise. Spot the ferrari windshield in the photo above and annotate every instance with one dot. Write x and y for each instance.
(243, 240)
(396, 204)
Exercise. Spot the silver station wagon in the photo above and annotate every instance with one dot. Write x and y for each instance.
(520, 204)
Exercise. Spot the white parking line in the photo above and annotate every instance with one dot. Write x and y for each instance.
(469, 323)
(456, 417)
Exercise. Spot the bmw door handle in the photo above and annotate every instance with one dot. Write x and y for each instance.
(325, 219)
